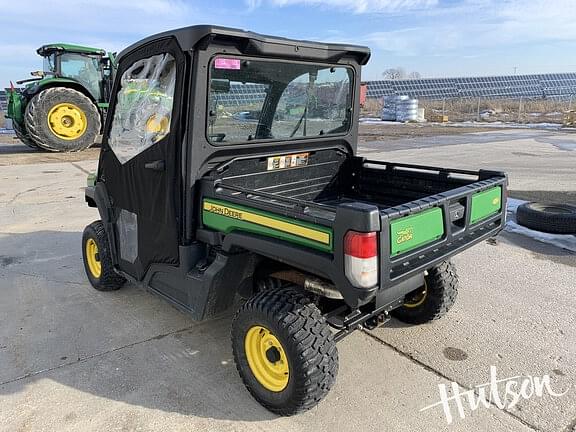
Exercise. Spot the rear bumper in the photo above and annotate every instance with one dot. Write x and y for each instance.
(456, 238)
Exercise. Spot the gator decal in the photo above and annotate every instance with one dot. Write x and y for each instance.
(226, 217)
(411, 232)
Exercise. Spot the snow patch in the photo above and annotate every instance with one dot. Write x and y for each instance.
(564, 241)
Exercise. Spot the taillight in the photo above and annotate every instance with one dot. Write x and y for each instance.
(361, 258)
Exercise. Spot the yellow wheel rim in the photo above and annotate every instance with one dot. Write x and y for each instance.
(266, 358)
(157, 125)
(418, 297)
(67, 121)
(92, 258)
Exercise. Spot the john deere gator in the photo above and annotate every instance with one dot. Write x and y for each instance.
(63, 106)
(229, 168)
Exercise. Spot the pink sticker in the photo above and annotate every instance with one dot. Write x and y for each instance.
(227, 63)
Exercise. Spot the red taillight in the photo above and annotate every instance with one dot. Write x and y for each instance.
(360, 245)
(361, 258)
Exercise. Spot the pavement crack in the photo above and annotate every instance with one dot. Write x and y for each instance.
(443, 376)
(97, 355)
(34, 189)
(75, 165)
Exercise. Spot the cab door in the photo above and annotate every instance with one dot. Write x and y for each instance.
(139, 162)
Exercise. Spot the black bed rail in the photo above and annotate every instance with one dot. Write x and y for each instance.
(286, 206)
(447, 171)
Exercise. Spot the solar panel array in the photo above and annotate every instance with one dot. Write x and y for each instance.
(544, 86)
(242, 94)
(549, 86)
(528, 86)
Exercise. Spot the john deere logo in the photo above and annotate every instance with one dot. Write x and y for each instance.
(496, 201)
(404, 235)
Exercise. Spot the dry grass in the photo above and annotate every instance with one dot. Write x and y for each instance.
(490, 110)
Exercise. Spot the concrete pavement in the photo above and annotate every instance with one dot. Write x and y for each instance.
(77, 359)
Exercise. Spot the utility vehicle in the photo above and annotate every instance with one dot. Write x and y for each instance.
(62, 107)
(232, 171)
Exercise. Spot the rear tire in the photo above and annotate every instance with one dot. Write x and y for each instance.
(434, 299)
(97, 259)
(284, 350)
(61, 119)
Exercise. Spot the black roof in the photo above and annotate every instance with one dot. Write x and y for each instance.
(257, 44)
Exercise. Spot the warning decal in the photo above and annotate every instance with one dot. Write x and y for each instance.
(287, 161)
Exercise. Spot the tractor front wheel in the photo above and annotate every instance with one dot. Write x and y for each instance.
(23, 136)
(61, 119)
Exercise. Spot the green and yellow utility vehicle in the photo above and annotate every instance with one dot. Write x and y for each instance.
(62, 108)
(232, 171)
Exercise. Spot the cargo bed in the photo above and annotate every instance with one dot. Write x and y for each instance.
(314, 191)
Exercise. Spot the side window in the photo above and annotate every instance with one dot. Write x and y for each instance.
(83, 68)
(143, 111)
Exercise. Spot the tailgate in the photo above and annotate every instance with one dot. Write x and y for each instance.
(419, 234)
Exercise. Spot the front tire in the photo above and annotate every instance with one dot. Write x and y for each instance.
(284, 350)
(434, 299)
(23, 136)
(61, 119)
(97, 259)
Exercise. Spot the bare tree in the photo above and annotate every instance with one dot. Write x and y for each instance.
(396, 73)
(399, 73)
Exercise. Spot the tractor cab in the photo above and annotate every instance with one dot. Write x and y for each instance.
(88, 66)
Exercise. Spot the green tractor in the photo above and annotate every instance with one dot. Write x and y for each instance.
(62, 108)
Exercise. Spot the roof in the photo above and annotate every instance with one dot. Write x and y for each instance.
(46, 49)
(189, 37)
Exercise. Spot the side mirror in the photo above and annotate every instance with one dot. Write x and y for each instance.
(220, 85)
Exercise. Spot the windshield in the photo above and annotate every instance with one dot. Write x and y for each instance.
(48, 63)
(83, 68)
(254, 99)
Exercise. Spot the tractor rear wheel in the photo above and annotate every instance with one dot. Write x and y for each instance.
(61, 119)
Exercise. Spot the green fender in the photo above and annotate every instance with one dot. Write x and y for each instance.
(37, 86)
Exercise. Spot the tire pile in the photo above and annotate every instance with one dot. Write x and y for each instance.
(400, 108)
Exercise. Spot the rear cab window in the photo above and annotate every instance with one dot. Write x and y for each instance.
(252, 100)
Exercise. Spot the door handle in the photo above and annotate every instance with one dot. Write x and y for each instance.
(158, 165)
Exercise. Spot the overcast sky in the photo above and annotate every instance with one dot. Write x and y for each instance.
(438, 38)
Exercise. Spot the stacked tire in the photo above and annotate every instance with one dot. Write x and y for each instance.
(388, 108)
(406, 109)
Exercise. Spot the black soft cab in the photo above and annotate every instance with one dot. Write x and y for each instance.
(228, 168)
